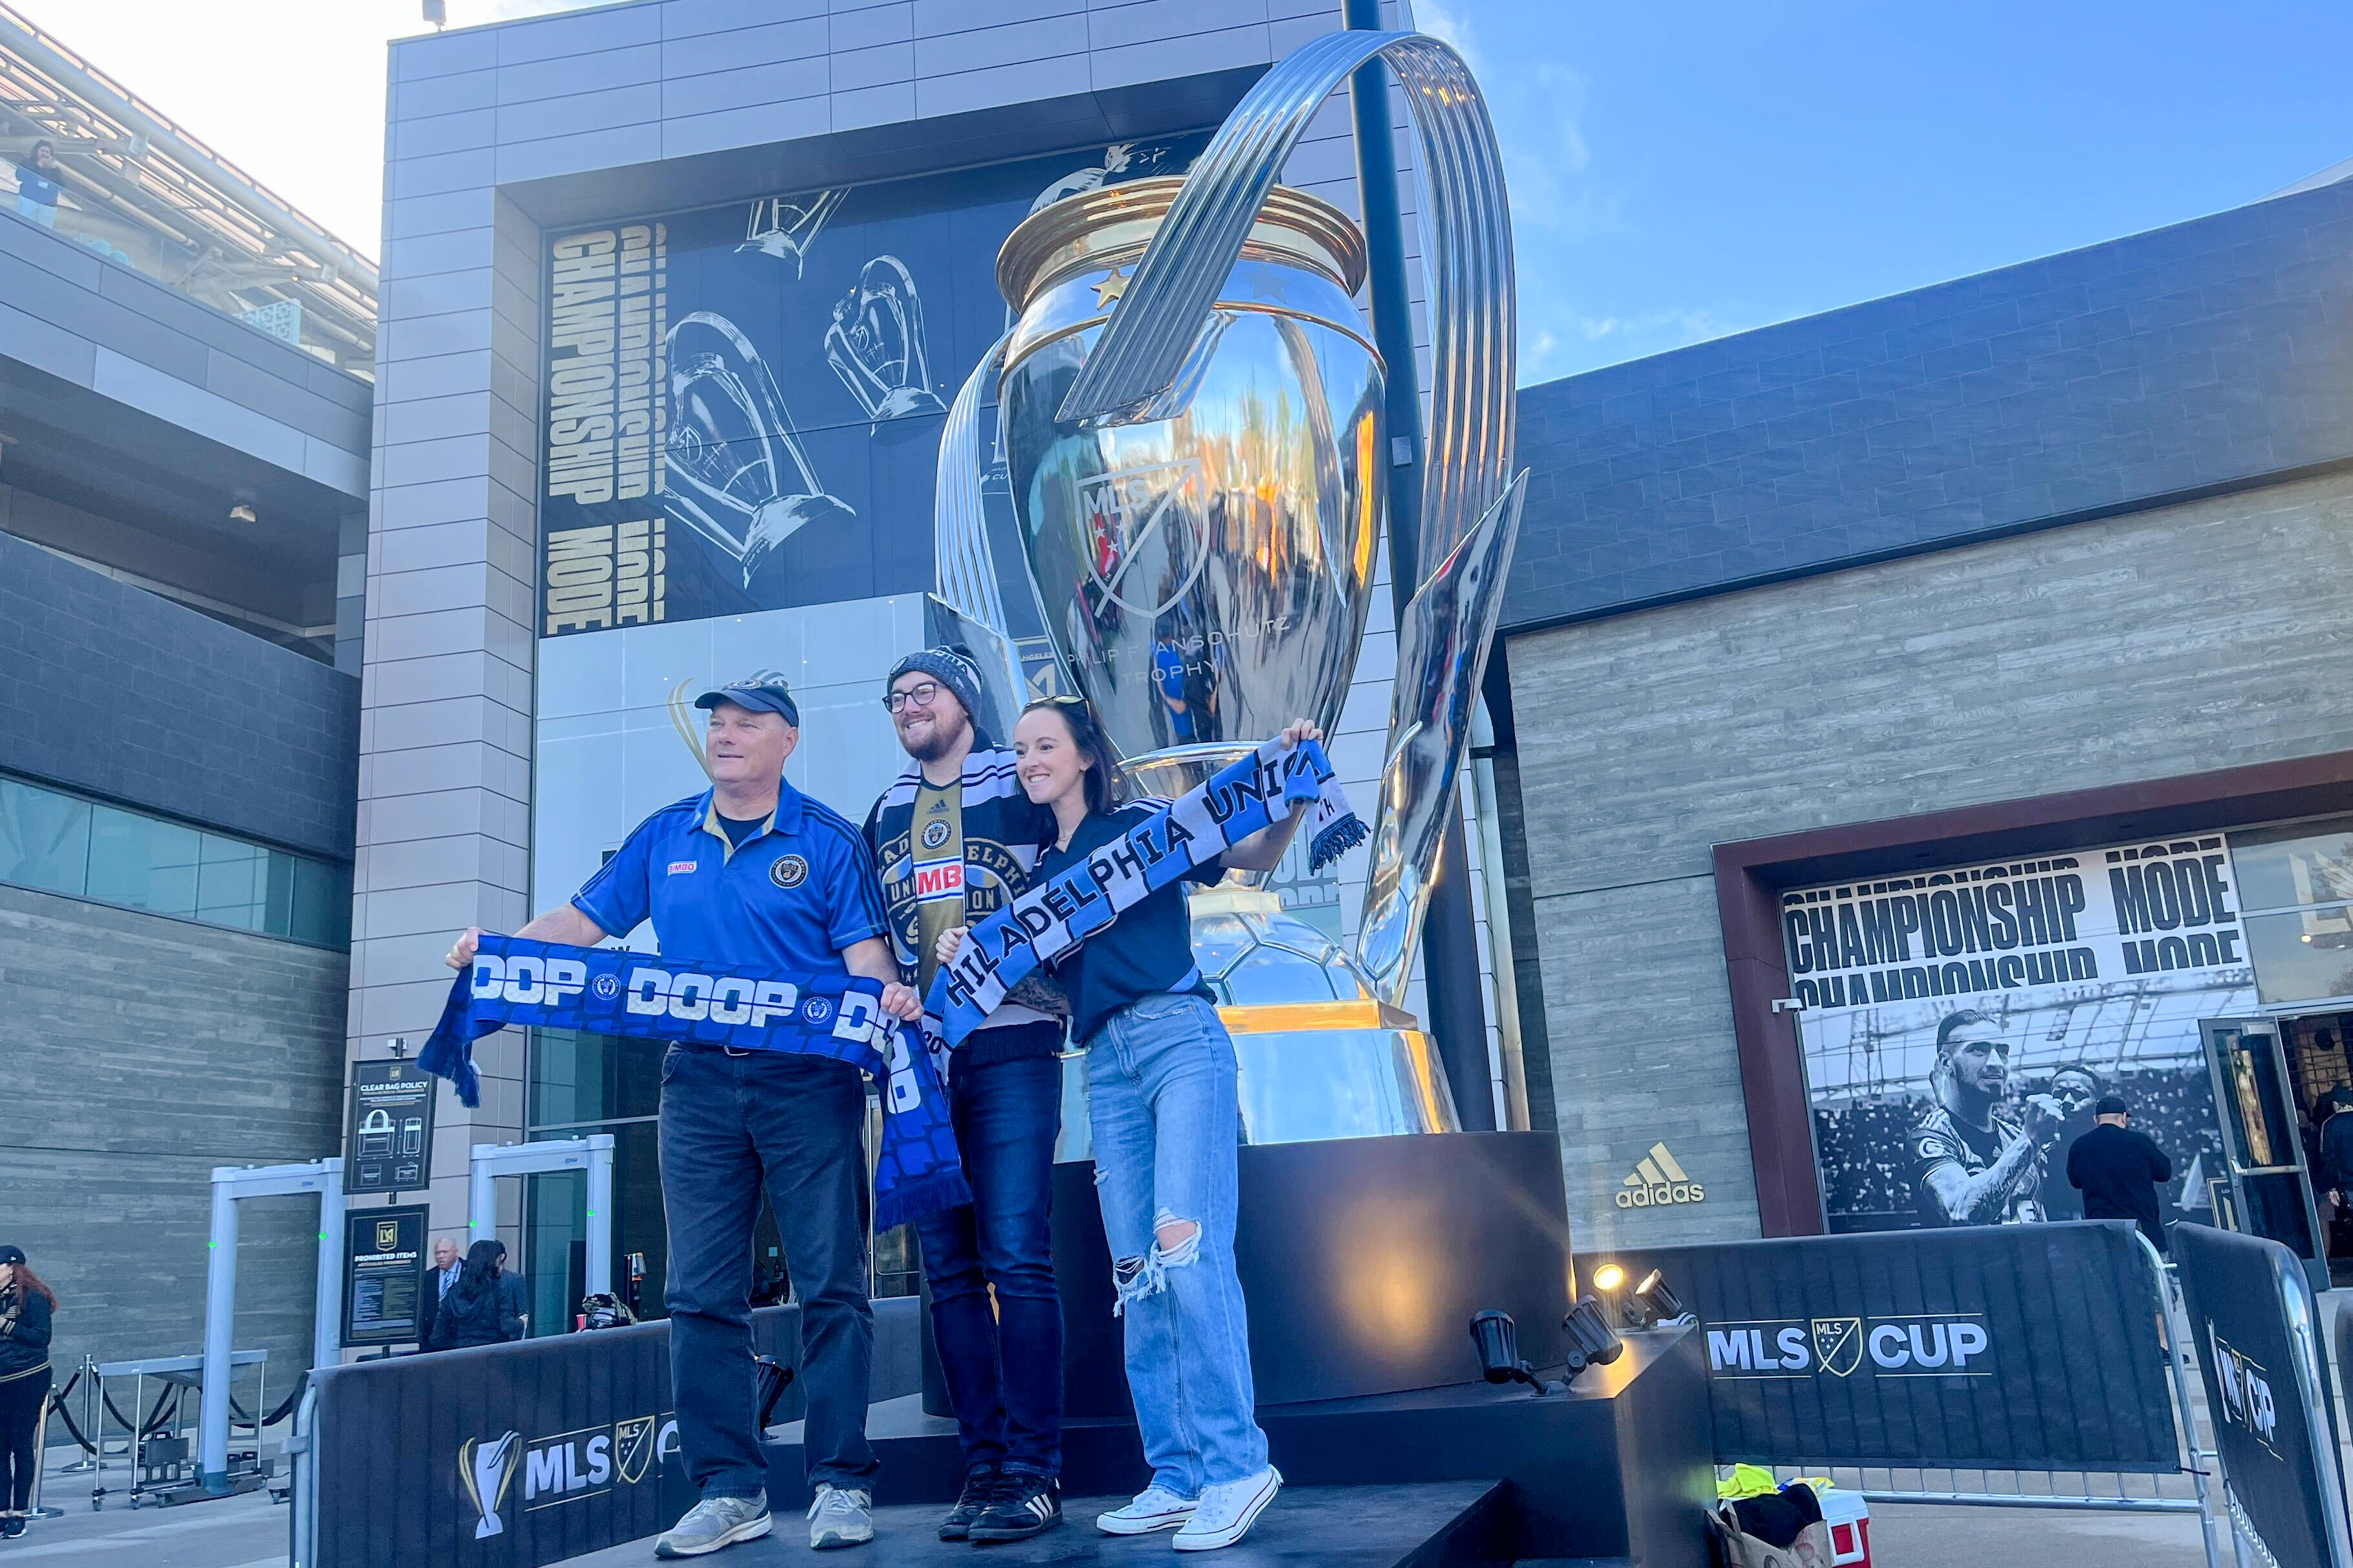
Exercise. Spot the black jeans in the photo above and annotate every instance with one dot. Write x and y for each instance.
(20, 1424)
(1004, 1363)
(728, 1124)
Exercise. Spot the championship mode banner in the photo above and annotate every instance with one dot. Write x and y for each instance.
(2259, 1351)
(1998, 1347)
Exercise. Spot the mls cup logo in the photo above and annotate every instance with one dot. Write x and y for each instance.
(633, 1447)
(1838, 1343)
(488, 1469)
(1147, 533)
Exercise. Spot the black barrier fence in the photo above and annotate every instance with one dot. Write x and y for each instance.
(1997, 1347)
(517, 1454)
(2256, 1328)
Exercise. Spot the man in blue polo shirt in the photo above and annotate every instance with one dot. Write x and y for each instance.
(756, 873)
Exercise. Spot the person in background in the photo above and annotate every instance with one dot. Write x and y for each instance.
(484, 1308)
(2119, 1170)
(447, 1264)
(36, 185)
(1163, 1104)
(953, 839)
(26, 1307)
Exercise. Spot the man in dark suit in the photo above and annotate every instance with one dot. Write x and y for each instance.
(447, 1261)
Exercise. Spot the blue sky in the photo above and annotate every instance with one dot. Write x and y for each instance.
(1683, 171)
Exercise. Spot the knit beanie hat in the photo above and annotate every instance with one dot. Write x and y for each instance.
(953, 668)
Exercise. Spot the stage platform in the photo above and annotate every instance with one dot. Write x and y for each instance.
(1460, 1524)
(1619, 1466)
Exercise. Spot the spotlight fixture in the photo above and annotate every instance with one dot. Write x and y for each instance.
(1591, 1341)
(1498, 1340)
(1607, 1278)
(1654, 1303)
(240, 512)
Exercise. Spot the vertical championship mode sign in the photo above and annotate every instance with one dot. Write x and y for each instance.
(605, 560)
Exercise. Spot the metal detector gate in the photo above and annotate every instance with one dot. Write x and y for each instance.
(232, 1184)
(592, 1153)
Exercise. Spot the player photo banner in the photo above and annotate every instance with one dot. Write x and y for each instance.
(1959, 1023)
(612, 990)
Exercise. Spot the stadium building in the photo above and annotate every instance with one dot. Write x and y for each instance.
(186, 363)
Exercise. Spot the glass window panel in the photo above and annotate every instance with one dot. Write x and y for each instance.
(2280, 867)
(277, 910)
(323, 903)
(2302, 955)
(232, 881)
(141, 862)
(578, 1078)
(43, 840)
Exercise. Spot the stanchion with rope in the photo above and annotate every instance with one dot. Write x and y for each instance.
(88, 1369)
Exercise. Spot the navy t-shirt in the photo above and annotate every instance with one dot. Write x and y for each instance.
(1147, 952)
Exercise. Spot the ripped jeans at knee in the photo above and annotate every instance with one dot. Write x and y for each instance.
(1176, 1244)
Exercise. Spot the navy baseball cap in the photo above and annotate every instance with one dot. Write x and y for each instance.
(2112, 1105)
(762, 693)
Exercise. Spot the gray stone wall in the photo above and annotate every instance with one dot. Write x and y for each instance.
(2183, 639)
(136, 1053)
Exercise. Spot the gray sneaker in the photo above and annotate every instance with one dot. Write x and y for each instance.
(714, 1522)
(841, 1517)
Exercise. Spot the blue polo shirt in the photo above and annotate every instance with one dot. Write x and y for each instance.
(789, 899)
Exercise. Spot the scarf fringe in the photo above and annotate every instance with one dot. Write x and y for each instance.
(908, 1201)
(1335, 841)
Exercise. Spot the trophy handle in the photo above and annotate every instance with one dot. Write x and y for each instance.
(1442, 644)
(1134, 374)
(965, 568)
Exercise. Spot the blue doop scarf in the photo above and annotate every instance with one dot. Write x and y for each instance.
(1062, 911)
(612, 990)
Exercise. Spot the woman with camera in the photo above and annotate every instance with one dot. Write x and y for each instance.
(1166, 1113)
(25, 1306)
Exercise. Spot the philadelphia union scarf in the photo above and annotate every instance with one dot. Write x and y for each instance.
(1062, 911)
(612, 990)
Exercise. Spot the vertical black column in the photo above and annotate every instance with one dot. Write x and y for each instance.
(1449, 942)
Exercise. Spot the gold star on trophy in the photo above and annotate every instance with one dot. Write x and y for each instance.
(1113, 285)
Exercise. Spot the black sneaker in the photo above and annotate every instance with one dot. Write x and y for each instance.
(12, 1526)
(1023, 1507)
(979, 1491)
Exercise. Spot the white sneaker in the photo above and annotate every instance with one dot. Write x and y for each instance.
(841, 1517)
(1227, 1511)
(1154, 1508)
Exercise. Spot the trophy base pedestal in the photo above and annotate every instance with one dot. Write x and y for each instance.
(1618, 1470)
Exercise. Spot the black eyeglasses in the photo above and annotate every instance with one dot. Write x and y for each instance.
(920, 694)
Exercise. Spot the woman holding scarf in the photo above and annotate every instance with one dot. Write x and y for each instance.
(1166, 1118)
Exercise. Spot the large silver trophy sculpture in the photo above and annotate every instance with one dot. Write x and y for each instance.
(1193, 423)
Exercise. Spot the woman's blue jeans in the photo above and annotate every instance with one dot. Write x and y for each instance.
(1166, 1120)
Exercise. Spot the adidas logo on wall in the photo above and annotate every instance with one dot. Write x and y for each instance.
(1657, 1180)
